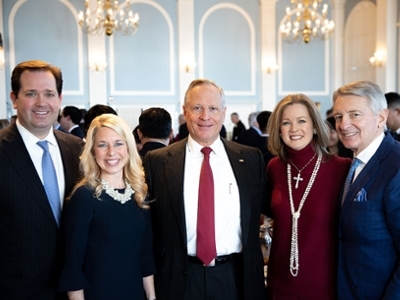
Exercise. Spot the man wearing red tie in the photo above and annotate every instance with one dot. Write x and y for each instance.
(208, 194)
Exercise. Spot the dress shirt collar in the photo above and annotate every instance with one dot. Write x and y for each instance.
(368, 152)
(257, 129)
(195, 148)
(73, 127)
(30, 140)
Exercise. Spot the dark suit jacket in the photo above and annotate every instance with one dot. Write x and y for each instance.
(150, 146)
(77, 131)
(249, 137)
(369, 229)
(28, 230)
(237, 130)
(165, 172)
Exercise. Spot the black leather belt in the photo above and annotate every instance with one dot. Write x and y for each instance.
(219, 260)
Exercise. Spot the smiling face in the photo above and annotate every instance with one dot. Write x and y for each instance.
(333, 138)
(204, 113)
(111, 154)
(38, 102)
(356, 124)
(296, 126)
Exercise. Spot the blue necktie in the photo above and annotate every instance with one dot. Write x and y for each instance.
(50, 181)
(349, 179)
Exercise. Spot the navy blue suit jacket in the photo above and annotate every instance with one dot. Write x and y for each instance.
(369, 229)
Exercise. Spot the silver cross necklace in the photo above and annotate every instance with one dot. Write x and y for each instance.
(298, 177)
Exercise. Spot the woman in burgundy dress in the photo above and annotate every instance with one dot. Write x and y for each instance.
(305, 182)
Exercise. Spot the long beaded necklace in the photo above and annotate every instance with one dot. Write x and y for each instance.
(298, 177)
(294, 246)
(123, 198)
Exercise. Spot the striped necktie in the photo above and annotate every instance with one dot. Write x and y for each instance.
(349, 179)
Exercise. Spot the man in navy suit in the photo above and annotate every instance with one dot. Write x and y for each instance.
(369, 225)
(235, 271)
(29, 232)
(70, 119)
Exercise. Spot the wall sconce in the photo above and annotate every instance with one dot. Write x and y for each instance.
(377, 59)
(271, 68)
(98, 66)
(2, 59)
(190, 67)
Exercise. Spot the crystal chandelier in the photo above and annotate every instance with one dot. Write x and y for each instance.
(305, 22)
(110, 18)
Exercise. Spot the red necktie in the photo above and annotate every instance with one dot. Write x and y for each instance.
(206, 249)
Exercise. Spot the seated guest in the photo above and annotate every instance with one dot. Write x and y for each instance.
(70, 118)
(155, 129)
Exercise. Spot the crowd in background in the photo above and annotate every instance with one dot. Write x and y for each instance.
(91, 209)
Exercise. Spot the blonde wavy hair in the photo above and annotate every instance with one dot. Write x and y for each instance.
(133, 171)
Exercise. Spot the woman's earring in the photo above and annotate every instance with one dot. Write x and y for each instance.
(315, 131)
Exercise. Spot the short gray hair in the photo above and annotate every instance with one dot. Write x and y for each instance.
(365, 89)
(203, 81)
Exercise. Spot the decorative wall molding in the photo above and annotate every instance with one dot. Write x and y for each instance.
(252, 46)
(171, 90)
(74, 12)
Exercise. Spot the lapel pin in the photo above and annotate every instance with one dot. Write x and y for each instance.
(241, 160)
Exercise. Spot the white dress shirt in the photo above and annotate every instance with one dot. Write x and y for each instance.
(36, 153)
(228, 232)
(365, 155)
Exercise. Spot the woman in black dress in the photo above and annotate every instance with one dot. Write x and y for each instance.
(106, 224)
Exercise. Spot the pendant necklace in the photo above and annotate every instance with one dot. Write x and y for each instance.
(113, 193)
(298, 177)
(294, 246)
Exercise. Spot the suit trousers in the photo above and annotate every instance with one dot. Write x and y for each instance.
(223, 281)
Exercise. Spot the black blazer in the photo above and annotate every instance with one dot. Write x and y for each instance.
(28, 230)
(164, 170)
(77, 131)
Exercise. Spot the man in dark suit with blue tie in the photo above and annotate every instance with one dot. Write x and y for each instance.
(29, 211)
(369, 224)
(218, 257)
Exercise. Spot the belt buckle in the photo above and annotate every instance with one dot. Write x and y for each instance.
(211, 264)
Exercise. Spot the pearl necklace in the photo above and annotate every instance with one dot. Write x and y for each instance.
(113, 193)
(294, 244)
(298, 178)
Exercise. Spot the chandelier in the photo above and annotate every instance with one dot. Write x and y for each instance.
(110, 18)
(305, 22)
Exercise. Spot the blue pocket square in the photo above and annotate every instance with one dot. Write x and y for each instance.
(361, 196)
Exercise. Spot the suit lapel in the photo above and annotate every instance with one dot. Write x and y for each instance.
(18, 155)
(174, 175)
(367, 172)
(67, 160)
